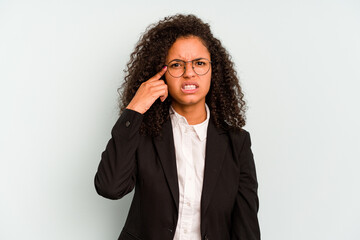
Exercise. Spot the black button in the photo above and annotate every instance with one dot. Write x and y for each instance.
(170, 230)
(206, 237)
(127, 124)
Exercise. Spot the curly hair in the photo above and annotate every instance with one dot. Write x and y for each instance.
(225, 97)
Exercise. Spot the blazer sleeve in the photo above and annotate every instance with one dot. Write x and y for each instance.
(116, 174)
(245, 225)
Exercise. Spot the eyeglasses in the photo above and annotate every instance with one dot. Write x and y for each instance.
(177, 67)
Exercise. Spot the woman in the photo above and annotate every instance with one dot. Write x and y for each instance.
(179, 140)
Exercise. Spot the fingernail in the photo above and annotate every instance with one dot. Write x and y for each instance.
(164, 67)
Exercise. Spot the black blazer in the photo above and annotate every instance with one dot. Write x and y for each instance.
(229, 201)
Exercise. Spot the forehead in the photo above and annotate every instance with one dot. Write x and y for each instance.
(188, 48)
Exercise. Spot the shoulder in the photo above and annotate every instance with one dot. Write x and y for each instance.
(239, 139)
(238, 134)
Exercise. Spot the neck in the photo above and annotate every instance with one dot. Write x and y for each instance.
(193, 114)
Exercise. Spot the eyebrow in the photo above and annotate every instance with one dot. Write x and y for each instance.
(176, 59)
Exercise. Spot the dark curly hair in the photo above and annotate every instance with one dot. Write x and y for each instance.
(225, 97)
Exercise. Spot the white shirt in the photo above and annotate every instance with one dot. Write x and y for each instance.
(190, 142)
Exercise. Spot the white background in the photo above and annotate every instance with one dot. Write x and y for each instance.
(61, 63)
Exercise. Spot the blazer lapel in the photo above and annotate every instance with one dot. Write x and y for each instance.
(165, 148)
(216, 145)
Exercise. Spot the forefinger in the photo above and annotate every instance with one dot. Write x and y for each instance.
(158, 75)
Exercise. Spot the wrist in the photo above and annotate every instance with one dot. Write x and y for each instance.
(136, 108)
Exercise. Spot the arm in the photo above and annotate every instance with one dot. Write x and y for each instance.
(245, 225)
(116, 175)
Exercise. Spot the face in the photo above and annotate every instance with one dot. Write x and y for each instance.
(190, 89)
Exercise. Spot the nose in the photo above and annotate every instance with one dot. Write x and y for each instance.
(189, 71)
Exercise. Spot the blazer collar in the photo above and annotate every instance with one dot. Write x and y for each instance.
(165, 148)
(216, 145)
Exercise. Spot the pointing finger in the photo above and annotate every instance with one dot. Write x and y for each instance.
(158, 75)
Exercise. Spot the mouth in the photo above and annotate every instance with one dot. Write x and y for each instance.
(189, 87)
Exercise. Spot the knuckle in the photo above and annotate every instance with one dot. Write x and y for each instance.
(147, 85)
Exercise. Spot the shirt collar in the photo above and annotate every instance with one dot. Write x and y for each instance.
(200, 129)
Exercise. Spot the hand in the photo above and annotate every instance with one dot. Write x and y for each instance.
(148, 92)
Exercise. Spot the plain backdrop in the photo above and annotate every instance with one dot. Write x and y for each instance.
(61, 63)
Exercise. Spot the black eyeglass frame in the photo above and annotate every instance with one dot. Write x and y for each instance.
(192, 65)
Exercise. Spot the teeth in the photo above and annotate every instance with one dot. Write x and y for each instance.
(189, 87)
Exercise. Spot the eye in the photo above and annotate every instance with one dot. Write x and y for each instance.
(176, 65)
(200, 63)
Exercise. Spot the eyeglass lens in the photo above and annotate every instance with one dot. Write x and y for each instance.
(177, 67)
